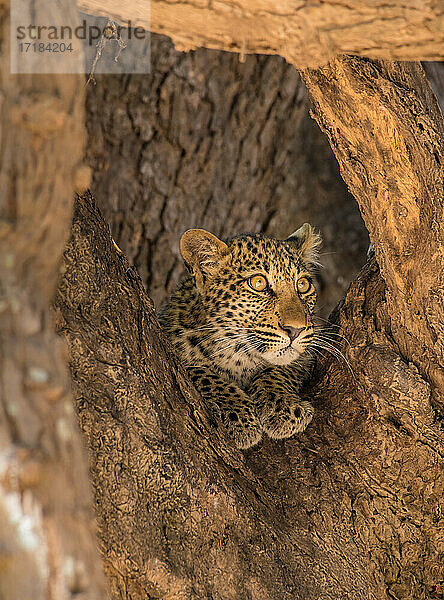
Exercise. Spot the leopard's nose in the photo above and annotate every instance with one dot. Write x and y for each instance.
(292, 332)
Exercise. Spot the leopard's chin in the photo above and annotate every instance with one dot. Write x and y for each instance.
(283, 356)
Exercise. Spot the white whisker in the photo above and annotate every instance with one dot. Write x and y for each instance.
(334, 351)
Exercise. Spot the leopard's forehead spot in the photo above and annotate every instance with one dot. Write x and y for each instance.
(279, 260)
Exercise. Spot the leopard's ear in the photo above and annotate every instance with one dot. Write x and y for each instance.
(203, 253)
(308, 241)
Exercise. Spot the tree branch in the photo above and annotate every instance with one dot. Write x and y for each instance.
(305, 33)
(387, 132)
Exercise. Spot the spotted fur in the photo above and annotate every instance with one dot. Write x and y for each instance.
(246, 350)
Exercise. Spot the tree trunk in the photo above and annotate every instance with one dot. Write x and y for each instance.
(47, 537)
(347, 509)
(208, 141)
(304, 33)
(350, 508)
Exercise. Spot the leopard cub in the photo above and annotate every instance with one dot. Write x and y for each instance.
(242, 325)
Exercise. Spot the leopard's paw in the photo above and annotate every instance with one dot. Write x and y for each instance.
(243, 427)
(288, 420)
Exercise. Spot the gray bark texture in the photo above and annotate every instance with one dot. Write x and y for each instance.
(435, 75)
(208, 141)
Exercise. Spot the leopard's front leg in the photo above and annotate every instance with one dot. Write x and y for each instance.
(279, 407)
(234, 407)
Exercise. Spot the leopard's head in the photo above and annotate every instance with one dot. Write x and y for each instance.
(257, 292)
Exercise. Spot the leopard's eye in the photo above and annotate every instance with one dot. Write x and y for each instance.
(303, 285)
(258, 283)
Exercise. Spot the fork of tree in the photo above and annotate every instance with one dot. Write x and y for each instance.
(348, 509)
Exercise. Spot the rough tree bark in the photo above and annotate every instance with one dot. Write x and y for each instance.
(350, 508)
(305, 33)
(392, 161)
(208, 141)
(47, 537)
